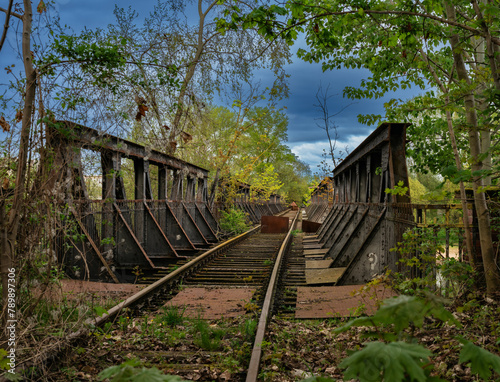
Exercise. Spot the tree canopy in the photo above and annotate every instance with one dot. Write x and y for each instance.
(450, 50)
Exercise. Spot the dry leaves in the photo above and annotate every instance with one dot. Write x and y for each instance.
(4, 124)
(19, 115)
(186, 137)
(142, 108)
(41, 7)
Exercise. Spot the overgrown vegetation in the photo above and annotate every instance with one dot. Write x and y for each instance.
(163, 99)
(234, 221)
(126, 352)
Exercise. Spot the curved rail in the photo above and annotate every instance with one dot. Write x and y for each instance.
(253, 367)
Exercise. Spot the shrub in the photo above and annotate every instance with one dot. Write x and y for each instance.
(234, 221)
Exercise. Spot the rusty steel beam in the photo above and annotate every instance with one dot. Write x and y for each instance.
(95, 140)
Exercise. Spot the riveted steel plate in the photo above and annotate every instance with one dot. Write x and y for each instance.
(310, 226)
(323, 276)
(274, 224)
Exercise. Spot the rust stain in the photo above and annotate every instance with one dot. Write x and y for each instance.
(213, 303)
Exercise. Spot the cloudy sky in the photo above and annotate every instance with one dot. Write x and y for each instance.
(306, 139)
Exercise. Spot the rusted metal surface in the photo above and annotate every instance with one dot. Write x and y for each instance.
(213, 303)
(359, 230)
(325, 276)
(87, 137)
(310, 226)
(274, 224)
(149, 229)
(338, 301)
(169, 281)
(365, 223)
(318, 264)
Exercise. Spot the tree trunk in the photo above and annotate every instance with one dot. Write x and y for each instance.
(458, 163)
(482, 103)
(487, 251)
(12, 220)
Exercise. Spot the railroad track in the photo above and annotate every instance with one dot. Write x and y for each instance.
(218, 350)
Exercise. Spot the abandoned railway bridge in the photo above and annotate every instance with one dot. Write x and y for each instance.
(353, 222)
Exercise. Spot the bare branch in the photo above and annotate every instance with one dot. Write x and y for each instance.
(20, 17)
(327, 124)
(8, 12)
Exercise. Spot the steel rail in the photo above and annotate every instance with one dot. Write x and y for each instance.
(53, 354)
(253, 367)
(157, 285)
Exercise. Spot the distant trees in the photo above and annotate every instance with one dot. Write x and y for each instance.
(250, 145)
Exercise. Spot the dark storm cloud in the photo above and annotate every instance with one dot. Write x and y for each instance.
(305, 81)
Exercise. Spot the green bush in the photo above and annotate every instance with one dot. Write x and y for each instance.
(234, 221)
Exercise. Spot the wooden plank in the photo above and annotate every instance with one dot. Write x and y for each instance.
(313, 246)
(323, 276)
(310, 238)
(318, 264)
(322, 251)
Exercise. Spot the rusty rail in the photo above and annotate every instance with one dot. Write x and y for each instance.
(253, 367)
(150, 290)
(158, 285)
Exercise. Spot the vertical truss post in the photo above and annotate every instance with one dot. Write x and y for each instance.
(190, 188)
(177, 186)
(142, 192)
(162, 182)
(202, 191)
(111, 164)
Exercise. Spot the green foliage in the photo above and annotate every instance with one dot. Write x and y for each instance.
(399, 189)
(481, 361)
(265, 183)
(3, 359)
(417, 190)
(98, 57)
(411, 50)
(313, 184)
(208, 338)
(394, 361)
(130, 371)
(417, 252)
(234, 221)
(399, 357)
(172, 316)
(100, 311)
(248, 329)
(400, 313)
(459, 275)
